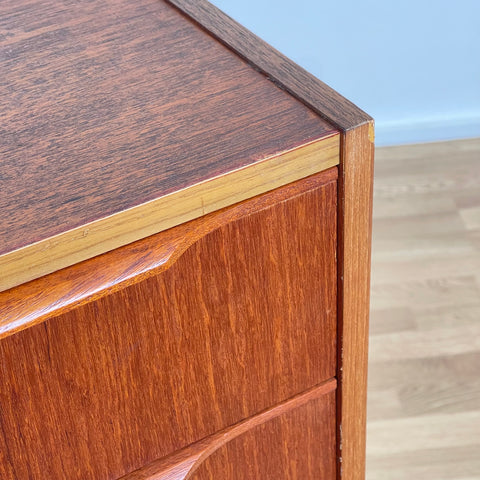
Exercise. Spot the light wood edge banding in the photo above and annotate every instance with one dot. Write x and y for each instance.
(355, 190)
(182, 464)
(95, 238)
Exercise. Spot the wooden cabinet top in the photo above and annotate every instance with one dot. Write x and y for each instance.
(120, 119)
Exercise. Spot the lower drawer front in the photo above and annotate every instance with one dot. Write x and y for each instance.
(298, 445)
(292, 440)
(244, 319)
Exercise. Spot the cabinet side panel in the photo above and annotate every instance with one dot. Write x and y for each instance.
(354, 240)
(244, 319)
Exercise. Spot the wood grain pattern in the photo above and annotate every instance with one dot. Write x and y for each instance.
(55, 294)
(244, 319)
(285, 73)
(354, 241)
(184, 464)
(100, 236)
(97, 118)
(223, 348)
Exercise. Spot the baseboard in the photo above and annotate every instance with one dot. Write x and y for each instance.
(426, 130)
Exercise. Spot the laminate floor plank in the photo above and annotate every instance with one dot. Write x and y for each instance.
(452, 369)
(424, 365)
(391, 320)
(425, 344)
(449, 261)
(442, 291)
(426, 431)
(453, 463)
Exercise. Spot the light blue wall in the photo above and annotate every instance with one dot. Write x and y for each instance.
(413, 65)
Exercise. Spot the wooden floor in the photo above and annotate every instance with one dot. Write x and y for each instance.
(424, 371)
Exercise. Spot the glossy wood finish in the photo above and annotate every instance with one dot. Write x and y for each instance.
(242, 320)
(354, 242)
(118, 120)
(184, 464)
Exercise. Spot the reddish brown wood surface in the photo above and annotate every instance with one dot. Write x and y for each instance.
(322, 99)
(244, 319)
(354, 243)
(316, 449)
(105, 105)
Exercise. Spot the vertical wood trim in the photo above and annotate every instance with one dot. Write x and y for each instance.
(355, 189)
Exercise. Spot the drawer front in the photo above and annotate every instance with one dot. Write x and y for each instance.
(298, 445)
(244, 319)
(293, 440)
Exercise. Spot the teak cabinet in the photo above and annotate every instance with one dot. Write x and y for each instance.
(184, 250)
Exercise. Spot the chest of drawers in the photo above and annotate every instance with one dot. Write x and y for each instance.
(184, 250)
